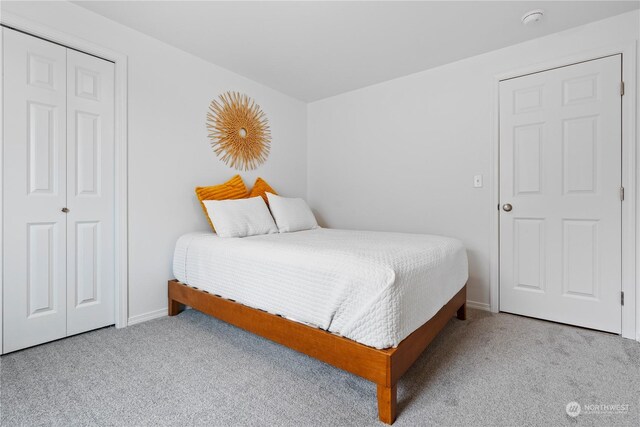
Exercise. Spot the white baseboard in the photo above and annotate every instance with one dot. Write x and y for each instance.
(479, 305)
(139, 318)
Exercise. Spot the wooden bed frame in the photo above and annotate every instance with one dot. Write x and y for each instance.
(383, 367)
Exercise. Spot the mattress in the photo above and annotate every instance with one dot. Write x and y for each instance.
(372, 287)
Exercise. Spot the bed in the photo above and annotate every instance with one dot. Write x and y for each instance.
(365, 302)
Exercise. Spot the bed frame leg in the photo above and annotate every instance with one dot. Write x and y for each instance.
(387, 403)
(175, 307)
(462, 312)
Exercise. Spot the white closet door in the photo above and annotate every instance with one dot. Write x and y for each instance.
(34, 191)
(90, 193)
(560, 177)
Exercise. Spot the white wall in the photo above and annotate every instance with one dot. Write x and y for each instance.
(169, 153)
(401, 155)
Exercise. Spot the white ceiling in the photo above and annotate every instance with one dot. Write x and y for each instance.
(312, 50)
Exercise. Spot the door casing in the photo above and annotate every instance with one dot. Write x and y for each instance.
(630, 178)
(120, 139)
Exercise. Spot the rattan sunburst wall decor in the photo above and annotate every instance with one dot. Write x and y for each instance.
(239, 131)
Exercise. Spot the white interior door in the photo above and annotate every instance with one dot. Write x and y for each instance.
(90, 193)
(58, 191)
(560, 171)
(34, 191)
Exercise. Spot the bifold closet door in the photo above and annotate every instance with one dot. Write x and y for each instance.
(34, 191)
(58, 191)
(90, 193)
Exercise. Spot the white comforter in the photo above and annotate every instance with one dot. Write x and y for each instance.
(372, 287)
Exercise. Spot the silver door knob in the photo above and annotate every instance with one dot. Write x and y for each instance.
(65, 210)
(507, 207)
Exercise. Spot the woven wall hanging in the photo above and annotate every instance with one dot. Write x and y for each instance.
(239, 131)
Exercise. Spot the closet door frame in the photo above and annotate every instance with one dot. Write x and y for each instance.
(120, 139)
(630, 178)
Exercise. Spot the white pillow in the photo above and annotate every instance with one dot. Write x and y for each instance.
(291, 214)
(240, 217)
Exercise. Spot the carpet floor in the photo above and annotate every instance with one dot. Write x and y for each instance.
(493, 369)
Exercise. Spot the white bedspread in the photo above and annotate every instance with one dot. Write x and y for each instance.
(372, 287)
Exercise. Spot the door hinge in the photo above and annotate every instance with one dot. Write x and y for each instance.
(621, 88)
(621, 298)
(622, 194)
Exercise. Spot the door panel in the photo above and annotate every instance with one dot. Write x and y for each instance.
(529, 250)
(580, 258)
(34, 168)
(42, 145)
(41, 285)
(560, 169)
(579, 137)
(90, 193)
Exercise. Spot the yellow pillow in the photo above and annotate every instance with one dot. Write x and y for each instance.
(260, 188)
(232, 189)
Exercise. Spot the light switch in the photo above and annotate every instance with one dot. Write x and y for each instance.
(477, 181)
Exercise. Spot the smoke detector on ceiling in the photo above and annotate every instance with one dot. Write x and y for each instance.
(532, 16)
